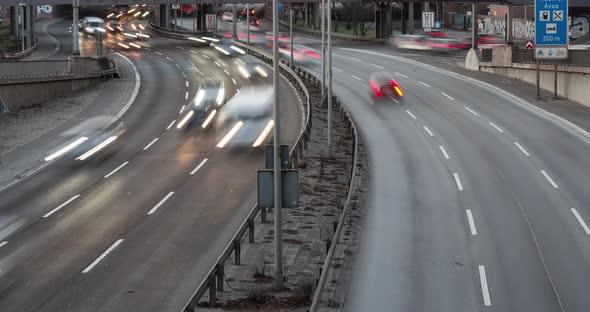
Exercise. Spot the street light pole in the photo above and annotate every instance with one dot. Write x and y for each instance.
(278, 278)
(234, 26)
(291, 33)
(323, 48)
(329, 16)
(247, 24)
(75, 35)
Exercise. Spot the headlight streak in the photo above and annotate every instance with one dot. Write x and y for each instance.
(97, 148)
(209, 118)
(184, 120)
(264, 134)
(230, 134)
(66, 148)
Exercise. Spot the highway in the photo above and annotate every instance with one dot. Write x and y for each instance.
(139, 230)
(477, 200)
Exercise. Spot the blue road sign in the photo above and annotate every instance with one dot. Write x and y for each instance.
(551, 27)
(437, 24)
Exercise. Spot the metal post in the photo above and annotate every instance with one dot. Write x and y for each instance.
(443, 16)
(538, 82)
(21, 14)
(329, 16)
(411, 17)
(278, 278)
(323, 48)
(75, 35)
(195, 17)
(509, 25)
(555, 80)
(175, 19)
(291, 34)
(474, 38)
(29, 25)
(247, 25)
(234, 27)
(99, 48)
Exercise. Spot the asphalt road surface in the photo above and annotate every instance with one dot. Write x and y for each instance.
(138, 231)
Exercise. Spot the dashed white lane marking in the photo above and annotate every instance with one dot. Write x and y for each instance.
(549, 179)
(147, 49)
(336, 69)
(181, 109)
(424, 83)
(471, 111)
(375, 65)
(444, 152)
(410, 113)
(201, 164)
(484, 286)
(116, 169)
(226, 72)
(496, 127)
(179, 48)
(233, 81)
(3, 243)
(578, 217)
(448, 96)
(177, 65)
(171, 124)
(429, 132)
(150, 144)
(471, 222)
(396, 101)
(61, 206)
(184, 75)
(205, 56)
(186, 82)
(522, 149)
(186, 95)
(353, 58)
(458, 181)
(158, 53)
(217, 63)
(401, 75)
(169, 59)
(355, 77)
(159, 204)
(104, 254)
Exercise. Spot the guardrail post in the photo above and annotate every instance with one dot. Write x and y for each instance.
(251, 231)
(237, 251)
(212, 294)
(220, 273)
(262, 215)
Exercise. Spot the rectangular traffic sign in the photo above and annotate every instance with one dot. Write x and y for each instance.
(551, 53)
(551, 27)
(211, 21)
(427, 19)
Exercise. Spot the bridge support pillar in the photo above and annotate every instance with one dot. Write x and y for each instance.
(411, 17)
(164, 16)
(30, 33)
(509, 31)
(383, 21)
(13, 20)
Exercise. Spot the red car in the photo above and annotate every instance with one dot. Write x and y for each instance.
(383, 85)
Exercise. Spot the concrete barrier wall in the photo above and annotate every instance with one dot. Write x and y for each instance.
(72, 65)
(573, 83)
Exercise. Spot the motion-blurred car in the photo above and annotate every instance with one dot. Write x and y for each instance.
(227, 49)
(254, 24)
(301, 53)
(251, 68)
(91, 141)
(114, 26)
(91, 24)
(246, 119)
(203, 108)
(382, 85)
(227, 17)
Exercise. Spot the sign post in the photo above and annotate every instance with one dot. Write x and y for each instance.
(427, 21)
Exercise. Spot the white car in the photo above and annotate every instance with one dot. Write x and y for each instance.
(91, 25)
(227, 17)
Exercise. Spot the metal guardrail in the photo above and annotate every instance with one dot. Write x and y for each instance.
(21, 54)
(335, 35)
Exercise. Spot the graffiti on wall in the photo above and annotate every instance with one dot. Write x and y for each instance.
(496, 26)
(579, 27)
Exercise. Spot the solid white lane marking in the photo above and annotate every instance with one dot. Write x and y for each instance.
(3, 243)
(429, 132)
(458, 181)
(195, 67)
(150, 144)
(169, 59)
(497, 128)
(410, 113)
(352, 58)
(578, 217)
(147, 49)
(104, 254)
(159, 204)
(549, 179)
(116, 169)
(186, 95)
(443, 151)
(177, 65)
(448, 96)
(471, 111)
(61, 206)
(181, 109)
(158, 53)
(198, 166)
(522, 149)
(336, 69)
(355, 77)
(423, 83)
(471, 222)
(374, 65)
(205, 56)
(401, 75)
(484, 286)
(179, 48)
(226, 72)
(171, 124)
(233, 81)
(186, 82)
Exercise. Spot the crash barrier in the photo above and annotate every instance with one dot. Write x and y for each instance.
(214, 279)
(318, 33)
(19, 55)
(27, 83)
(519, 55)
(572, 80)
(175, 34)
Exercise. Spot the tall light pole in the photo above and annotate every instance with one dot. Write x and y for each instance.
(323, 48)
(291, 32)
(278, 218)
(234, 26)
(75, 35)
(329, 131)
(247, 25)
